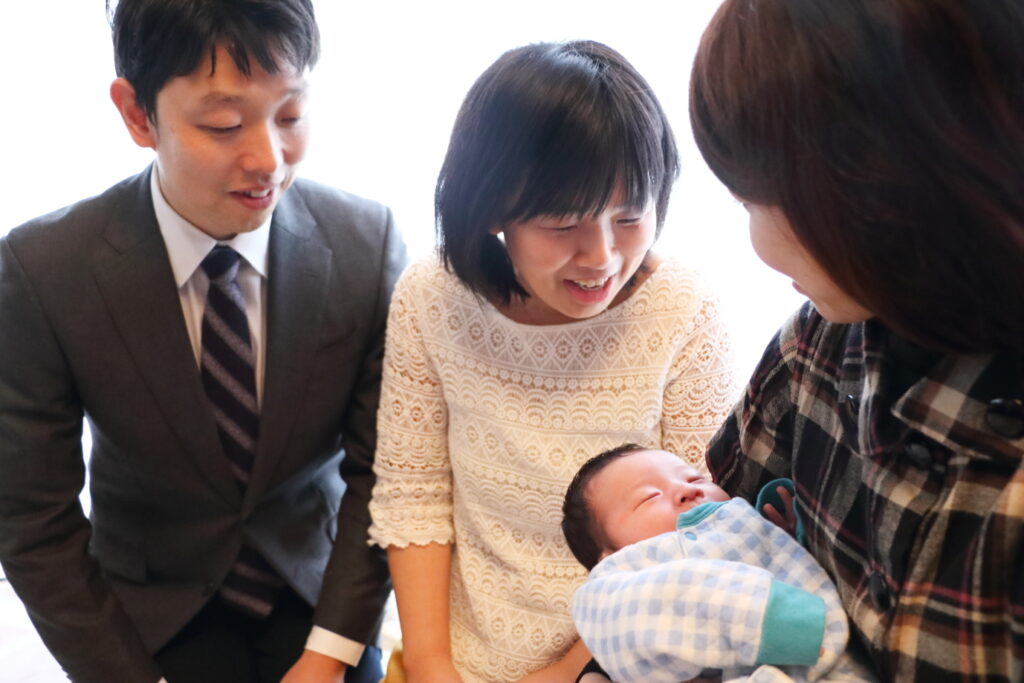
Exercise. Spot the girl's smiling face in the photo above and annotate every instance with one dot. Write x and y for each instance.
(577, 266)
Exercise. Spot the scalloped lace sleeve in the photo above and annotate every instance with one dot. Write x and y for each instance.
(702, 388)
(412, 499)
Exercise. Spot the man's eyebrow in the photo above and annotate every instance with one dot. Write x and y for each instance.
(218, 97)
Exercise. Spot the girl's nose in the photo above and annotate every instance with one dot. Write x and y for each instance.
(597, 245)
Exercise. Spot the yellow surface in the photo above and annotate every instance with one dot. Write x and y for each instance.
(395, 672)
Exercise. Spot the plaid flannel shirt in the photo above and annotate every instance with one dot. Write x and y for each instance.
(909, 477)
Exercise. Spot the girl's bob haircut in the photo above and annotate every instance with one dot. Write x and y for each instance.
(891, 135)
(548, 129)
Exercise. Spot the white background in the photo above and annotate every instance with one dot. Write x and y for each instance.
(386, 91)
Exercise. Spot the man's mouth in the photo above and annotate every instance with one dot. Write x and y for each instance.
(256, 194)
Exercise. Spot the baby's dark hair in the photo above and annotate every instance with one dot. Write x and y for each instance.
(585, 539)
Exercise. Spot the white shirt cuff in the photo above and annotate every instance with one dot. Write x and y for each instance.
(331, 644)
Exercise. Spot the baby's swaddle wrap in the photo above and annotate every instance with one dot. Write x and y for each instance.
(727, 590)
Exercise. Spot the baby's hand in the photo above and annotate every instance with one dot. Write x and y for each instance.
(786, 519)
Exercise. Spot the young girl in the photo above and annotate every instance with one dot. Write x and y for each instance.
(547, 332)
(879, 148)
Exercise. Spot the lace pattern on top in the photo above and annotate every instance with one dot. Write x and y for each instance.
(483, 422)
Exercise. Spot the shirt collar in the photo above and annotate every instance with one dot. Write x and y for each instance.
(951, 404)
(187, 245)
(944, 396)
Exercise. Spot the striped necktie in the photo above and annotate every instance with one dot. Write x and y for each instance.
(228, 373)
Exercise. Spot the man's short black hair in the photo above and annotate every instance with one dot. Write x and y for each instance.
(157, 40)
(585, 539)
(550, 129)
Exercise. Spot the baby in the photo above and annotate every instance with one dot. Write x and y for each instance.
(684, 578)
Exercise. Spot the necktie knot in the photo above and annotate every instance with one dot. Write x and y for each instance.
(221, 264)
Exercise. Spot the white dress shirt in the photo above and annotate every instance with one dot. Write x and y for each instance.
(187, 246)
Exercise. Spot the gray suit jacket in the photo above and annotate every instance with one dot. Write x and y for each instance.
(91, 325)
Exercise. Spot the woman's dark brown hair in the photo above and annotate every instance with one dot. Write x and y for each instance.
(549, 128)
(891, 135)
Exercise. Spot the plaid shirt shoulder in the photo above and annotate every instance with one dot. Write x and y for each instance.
(911, 489)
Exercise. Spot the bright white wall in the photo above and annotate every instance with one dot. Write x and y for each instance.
(390, 81)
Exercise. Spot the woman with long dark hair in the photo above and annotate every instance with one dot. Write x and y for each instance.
(879, 148)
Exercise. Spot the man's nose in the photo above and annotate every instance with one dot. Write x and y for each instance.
(262, 153)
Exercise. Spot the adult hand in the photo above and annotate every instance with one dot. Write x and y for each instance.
(314, 667)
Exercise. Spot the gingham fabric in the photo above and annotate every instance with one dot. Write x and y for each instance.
(661, 610)
(909, 473)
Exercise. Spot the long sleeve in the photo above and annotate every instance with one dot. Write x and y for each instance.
(43, 532)
(357, 573)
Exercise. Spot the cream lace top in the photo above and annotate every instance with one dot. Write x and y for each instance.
(483, 422)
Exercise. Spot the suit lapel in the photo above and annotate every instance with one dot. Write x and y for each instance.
(135, 278)
(297, 283)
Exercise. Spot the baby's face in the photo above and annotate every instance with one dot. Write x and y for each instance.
(640, 495)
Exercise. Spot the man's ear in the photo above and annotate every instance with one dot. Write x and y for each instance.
(140, 127)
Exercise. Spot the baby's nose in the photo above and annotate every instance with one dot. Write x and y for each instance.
(686, 492)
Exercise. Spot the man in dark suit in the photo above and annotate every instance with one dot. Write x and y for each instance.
(220, 325)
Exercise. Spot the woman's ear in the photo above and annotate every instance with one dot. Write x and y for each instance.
(140, 127)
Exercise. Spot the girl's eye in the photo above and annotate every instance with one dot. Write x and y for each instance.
(555, 222)
(291, 120)
(628, 221)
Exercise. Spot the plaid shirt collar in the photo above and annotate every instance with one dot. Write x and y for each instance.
(958, 401)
